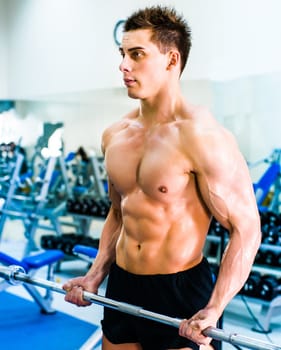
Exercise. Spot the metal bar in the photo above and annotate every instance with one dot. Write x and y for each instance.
(98, 180)
(92, 341)
(11, 191)
(12, 274)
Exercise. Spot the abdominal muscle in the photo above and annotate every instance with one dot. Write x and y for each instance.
(160, 237)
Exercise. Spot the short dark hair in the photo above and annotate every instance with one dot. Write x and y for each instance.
(169, 29)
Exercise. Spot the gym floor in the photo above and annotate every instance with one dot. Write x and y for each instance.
(238, 316)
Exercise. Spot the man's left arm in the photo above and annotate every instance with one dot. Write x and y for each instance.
(226, 187)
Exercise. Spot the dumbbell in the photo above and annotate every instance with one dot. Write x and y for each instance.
(212, 228)
(271, 235)
(259, 257)
(270, 222)
(104, 206)
(278, 236)
(49, 241)
(269, 218)
(269, 287)
(93, 207)
(278, 260)
(67, 242)
(90, 242)
(268, 257)
(251, 286)
(71, 205)
(216, 228)
(84, 206)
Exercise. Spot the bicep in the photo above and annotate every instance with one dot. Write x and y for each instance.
(226, 187)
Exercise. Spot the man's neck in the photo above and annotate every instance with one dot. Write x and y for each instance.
(155, 114)
(161, 108)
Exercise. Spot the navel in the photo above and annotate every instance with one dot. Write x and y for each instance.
(163, 189)
(139, 246)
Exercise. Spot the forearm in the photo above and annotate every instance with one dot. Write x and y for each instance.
(101, 265)
(107, 245)
(234, 268)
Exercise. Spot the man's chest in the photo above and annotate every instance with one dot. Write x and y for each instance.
(154, 164)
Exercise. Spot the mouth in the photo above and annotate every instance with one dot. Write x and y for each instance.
(129, 82)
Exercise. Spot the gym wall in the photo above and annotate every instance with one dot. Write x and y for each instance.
(67, 46)
(86, 115)
(63, 65)
(250, 107)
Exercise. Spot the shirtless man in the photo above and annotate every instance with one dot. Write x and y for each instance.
(171, 168)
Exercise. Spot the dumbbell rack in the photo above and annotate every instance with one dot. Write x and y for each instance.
(269, 309)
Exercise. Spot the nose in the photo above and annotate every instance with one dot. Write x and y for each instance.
(125, 65)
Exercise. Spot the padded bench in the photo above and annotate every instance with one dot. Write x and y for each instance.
(35, 261)
(31, 264)
(91, 252)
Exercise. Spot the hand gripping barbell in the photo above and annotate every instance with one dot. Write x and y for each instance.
(16, 274)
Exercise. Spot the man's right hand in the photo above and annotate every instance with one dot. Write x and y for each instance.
(75, 287)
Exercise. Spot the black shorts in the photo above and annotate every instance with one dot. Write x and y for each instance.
(178, 295)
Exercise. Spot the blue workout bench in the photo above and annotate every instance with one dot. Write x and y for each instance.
(264, 184)
(31, 264)
(81, 249)
(84, 252)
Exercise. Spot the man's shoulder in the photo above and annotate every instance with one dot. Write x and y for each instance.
(198, 118)
(123, 122)
(200, 114)
(200, 126)
(119, 125)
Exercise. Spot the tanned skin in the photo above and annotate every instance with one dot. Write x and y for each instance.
(171, 168)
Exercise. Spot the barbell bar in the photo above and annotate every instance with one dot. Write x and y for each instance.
(15, 274)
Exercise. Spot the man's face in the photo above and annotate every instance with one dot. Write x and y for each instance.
(143, 66)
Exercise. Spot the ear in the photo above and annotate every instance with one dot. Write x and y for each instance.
(173, 59)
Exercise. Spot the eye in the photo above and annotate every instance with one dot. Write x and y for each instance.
(137, 54)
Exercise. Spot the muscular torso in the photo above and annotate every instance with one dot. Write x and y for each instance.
(165, 221)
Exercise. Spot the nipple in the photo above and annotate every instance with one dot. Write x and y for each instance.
(163, 189)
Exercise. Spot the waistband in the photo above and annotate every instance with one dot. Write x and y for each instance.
(194, 269)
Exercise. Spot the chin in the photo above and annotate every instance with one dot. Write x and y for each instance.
(133, 95)
(140, 95)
